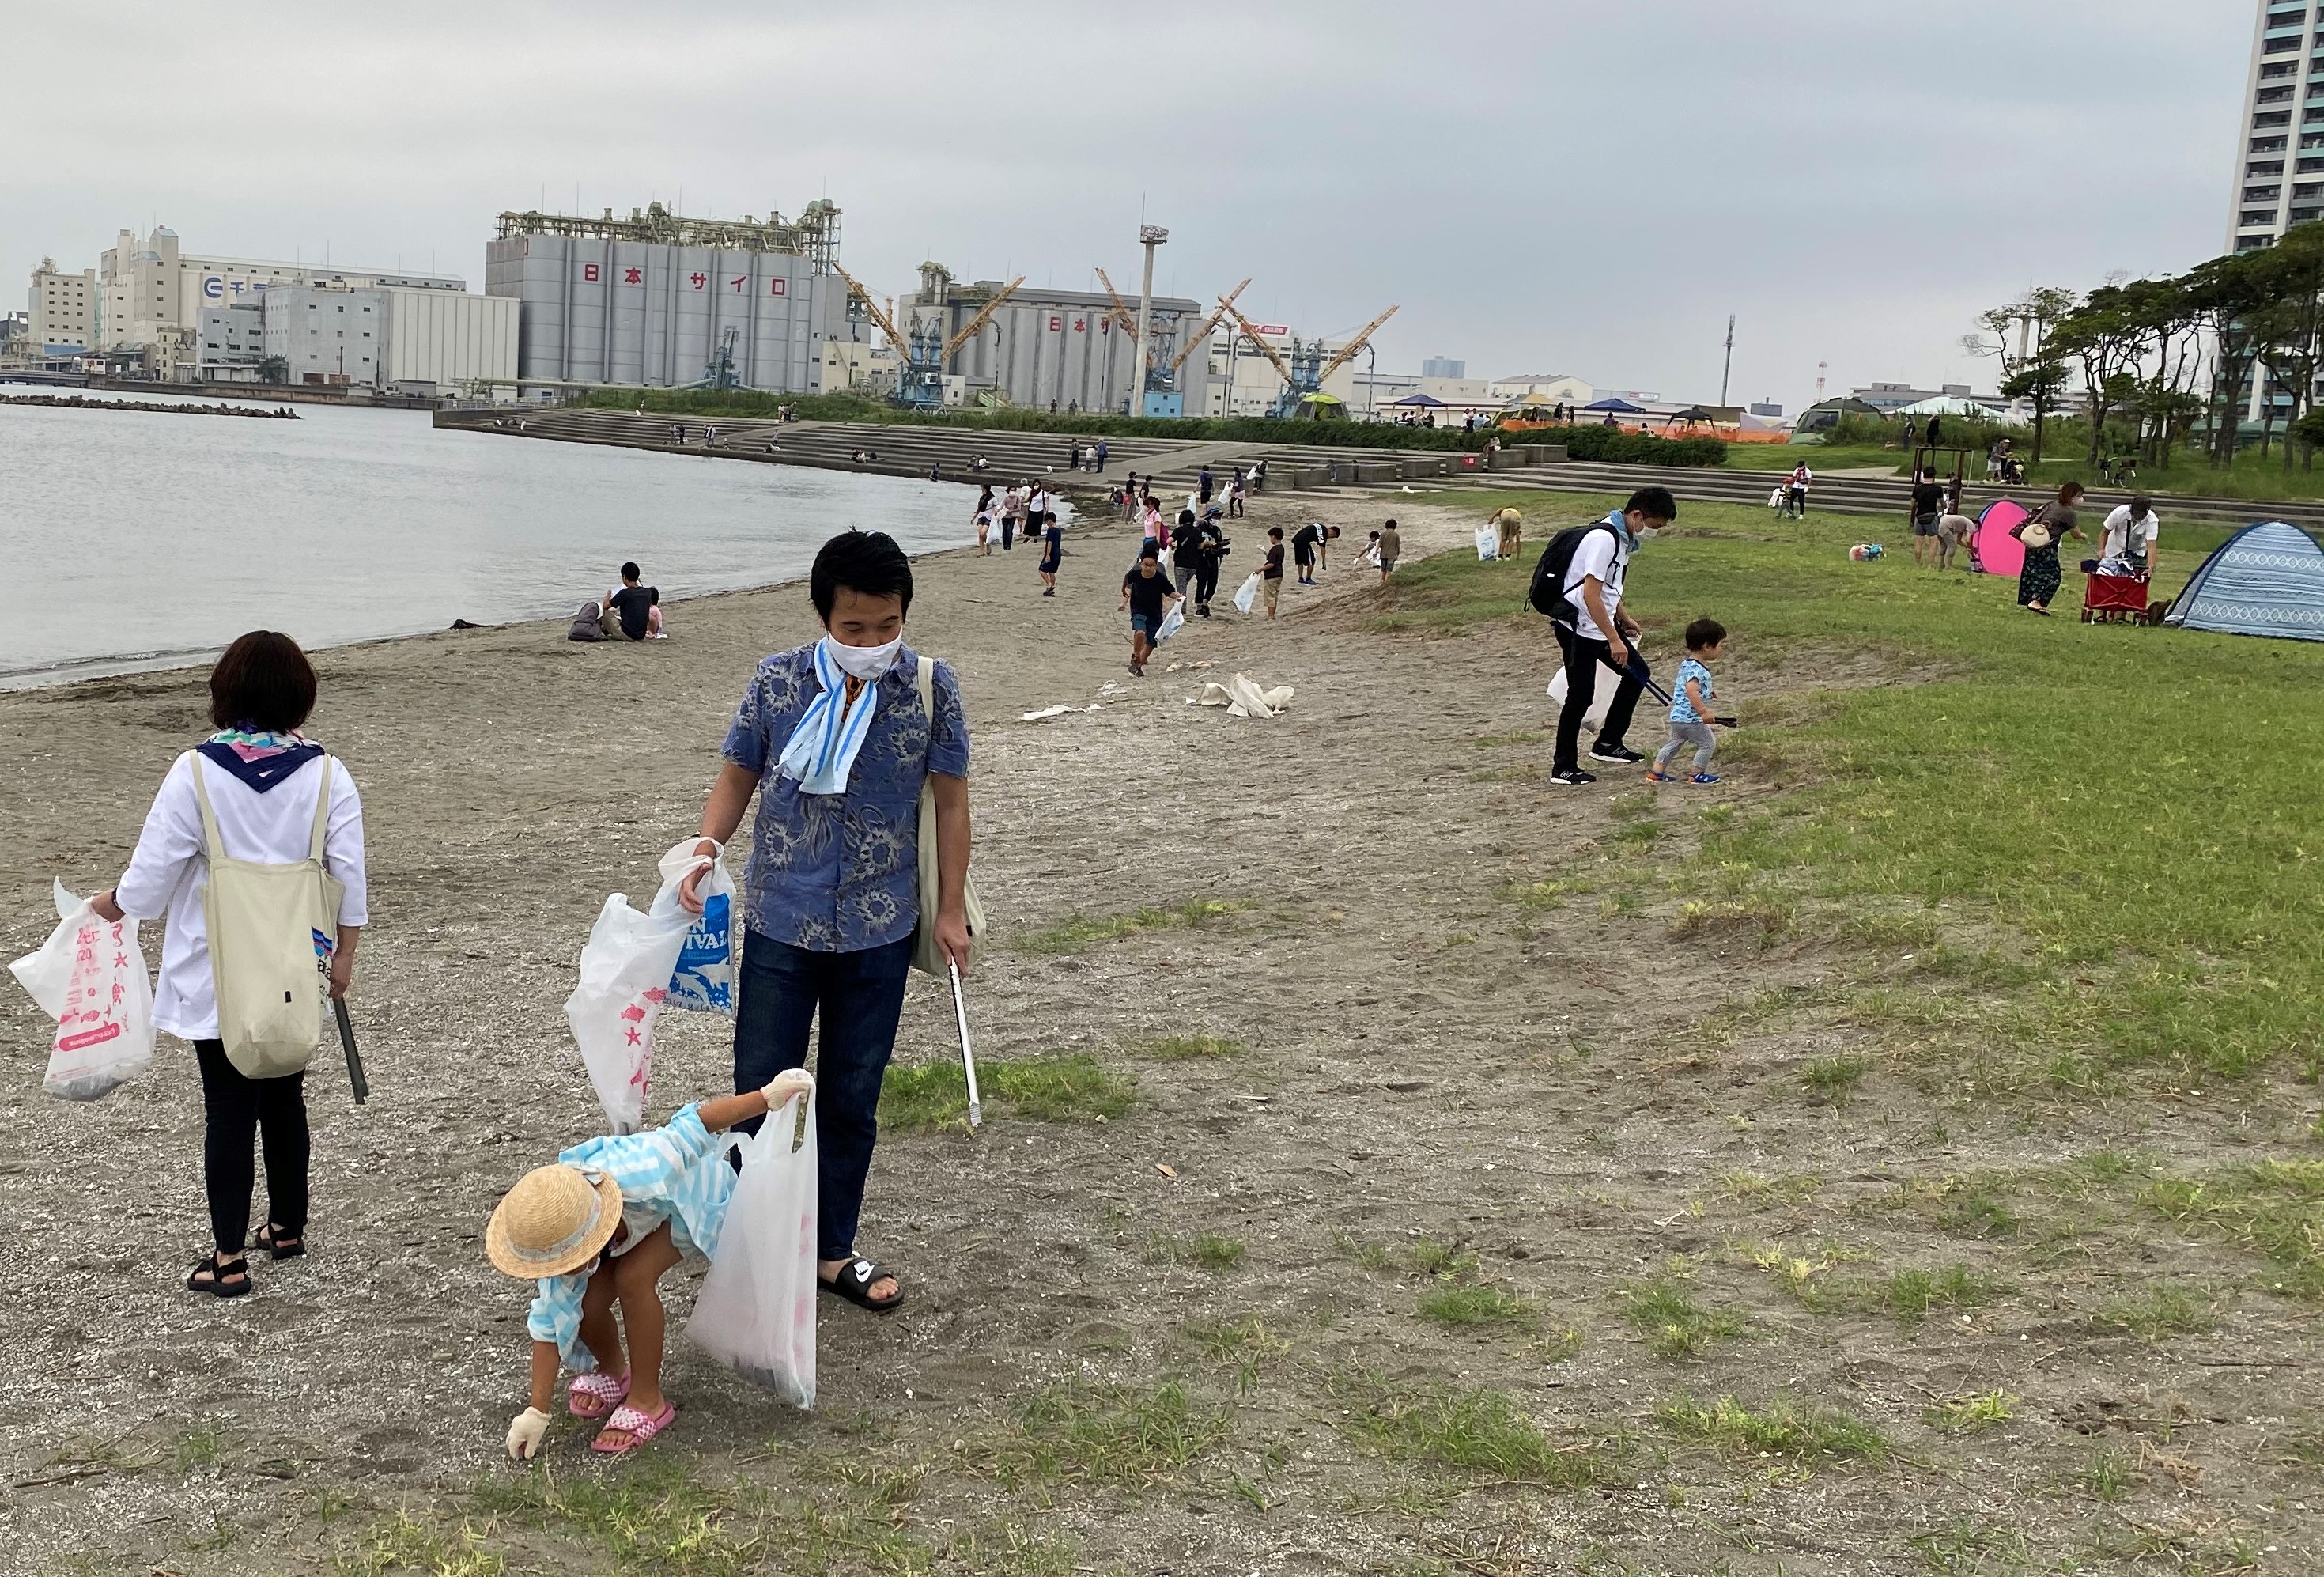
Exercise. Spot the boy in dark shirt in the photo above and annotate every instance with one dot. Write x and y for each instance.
(1053, 550)
(638, 607)
(1270, 583)
(1312, 538)
(1145, 593)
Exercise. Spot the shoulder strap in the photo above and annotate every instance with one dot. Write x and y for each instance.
(924, 680)
(215, 844)
(322, 814)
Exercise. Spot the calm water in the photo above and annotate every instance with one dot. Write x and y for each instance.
(136, 540)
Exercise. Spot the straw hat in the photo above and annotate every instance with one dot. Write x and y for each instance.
(553, 1221)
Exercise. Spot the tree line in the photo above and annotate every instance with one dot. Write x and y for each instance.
(2169, 362)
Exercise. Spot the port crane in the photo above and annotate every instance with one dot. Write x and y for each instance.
(1303, 373)
(923, 352)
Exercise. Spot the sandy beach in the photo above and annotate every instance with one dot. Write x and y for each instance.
(1182, 1337)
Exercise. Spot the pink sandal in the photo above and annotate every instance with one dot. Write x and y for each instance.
(627, 1420)
(596, 1394)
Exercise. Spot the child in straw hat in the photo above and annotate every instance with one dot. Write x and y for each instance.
(598, 1228)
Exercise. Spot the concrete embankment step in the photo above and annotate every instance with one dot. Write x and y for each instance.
(1880, 495)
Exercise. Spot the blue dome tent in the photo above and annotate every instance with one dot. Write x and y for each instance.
(2267, 579)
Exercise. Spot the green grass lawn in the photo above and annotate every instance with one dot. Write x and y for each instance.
(2133, 812)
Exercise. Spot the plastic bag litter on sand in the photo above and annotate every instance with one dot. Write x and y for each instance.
(756, 1311)
(703, 981)
(90, 977)
(1601, 699)
(1243, 698)
(625, 972)
(1247, 595)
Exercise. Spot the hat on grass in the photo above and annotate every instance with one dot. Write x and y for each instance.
(553, 1221)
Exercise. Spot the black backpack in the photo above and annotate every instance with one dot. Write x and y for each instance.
(1547, 596)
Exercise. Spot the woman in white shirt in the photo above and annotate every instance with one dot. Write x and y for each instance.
(261, 776)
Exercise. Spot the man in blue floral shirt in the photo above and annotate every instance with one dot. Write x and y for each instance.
(834, 741)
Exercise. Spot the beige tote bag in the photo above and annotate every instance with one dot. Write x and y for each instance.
(927, 956)
(271, 971)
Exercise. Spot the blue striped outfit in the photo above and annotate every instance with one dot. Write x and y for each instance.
(676, 1174)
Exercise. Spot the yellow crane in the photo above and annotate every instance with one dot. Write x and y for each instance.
(920, 381)
(1201, 336)
(885, 324)
(1120, 312)
(975, 326)
(1304, 374)
(1353, 348)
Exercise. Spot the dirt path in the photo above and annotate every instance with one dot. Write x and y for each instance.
(1451, 1085)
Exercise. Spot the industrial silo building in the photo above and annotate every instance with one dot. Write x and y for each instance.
(657, 300)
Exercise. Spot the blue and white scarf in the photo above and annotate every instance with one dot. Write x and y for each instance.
(823, 748)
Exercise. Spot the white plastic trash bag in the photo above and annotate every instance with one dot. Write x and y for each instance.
(1489, 542)
(1601, 699)
(90, 977)
(703, 979)
(1172, 621)
(1246, 595)
(626, 973)
(756, 1311)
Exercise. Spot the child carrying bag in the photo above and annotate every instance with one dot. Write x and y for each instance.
(927, 956)
(271, 932)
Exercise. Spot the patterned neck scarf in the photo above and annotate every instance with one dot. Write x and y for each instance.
(261, 758)
(822, 749)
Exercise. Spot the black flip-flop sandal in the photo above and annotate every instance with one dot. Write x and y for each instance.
(279, 1245)
(854, 1282)
(218, 1285)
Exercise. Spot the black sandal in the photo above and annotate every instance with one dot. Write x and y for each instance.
(279, 1245)
(218, 1285)
(854, 1280)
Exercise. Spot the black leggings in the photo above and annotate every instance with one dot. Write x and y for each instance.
(238, 1107)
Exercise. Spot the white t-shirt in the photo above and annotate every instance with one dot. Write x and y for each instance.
(2121, 538)
(170, 871)
(1603, 556)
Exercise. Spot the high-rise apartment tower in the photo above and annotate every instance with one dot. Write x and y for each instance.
(2279, 163)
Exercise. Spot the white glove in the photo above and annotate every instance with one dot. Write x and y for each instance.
(790, 1082)
(526, 1431)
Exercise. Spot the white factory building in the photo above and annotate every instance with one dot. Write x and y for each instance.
(64, 310)
(428, 333)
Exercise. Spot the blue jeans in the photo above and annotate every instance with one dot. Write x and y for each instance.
(861, 996)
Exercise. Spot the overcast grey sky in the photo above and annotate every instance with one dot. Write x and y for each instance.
(1544, 187)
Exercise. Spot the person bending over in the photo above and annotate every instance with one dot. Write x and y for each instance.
(595, 1230)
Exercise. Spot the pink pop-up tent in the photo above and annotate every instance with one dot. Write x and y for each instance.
(1996, 549)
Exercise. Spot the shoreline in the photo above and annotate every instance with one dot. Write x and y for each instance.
(71, 671)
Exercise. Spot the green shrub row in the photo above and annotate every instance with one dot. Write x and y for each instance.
(1584, 443)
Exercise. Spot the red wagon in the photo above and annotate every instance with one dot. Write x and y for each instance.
(2114, 599)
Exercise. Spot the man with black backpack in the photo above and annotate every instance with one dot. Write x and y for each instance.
(1578, 584)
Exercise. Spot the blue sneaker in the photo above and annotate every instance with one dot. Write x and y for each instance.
(1704, 778)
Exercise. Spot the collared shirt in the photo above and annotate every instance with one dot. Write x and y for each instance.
(839, 873)
(676, 1174)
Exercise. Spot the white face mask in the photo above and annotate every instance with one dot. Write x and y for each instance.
(862, 663)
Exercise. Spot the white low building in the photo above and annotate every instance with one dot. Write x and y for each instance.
(64, 308)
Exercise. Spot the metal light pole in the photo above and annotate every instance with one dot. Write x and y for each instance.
(1730, 367)
(1150, 236)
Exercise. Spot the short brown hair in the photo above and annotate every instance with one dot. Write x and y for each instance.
(264, 682)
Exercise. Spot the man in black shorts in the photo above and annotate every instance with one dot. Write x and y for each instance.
(1310, 539)
(1928, 509)
(1145, 593)
(638, 607)
(1053, 550)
